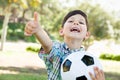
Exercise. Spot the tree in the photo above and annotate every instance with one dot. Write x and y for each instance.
(44, 7)
(7, 5)
(116, 25)
(6, 19)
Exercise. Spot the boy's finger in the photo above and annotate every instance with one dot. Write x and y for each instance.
(92, 76)
(26, 34)
(35, 16)
(102, 73)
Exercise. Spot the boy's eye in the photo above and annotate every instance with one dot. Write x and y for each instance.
(70, 21)
(81, 22)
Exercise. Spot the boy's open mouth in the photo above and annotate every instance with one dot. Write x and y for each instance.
(75, 29)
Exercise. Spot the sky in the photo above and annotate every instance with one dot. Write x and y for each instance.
(108, 5)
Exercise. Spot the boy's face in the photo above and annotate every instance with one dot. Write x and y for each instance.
(75, 27)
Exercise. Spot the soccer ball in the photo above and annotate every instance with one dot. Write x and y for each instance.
(77, 66)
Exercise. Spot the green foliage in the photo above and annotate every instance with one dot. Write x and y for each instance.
(33, 49)
(116, 57)
(110, 57)
(15, 32)
(51, 16)
(1, 22)
(106, 56)
(4, 2)
(116, 26)
(29, 39)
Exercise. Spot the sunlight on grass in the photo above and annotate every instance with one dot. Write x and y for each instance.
(111, 69)
(111, 66)
(8, 72)
(18, 73)
(6, 53)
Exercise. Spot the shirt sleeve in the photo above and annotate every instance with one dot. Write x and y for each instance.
(48, 57)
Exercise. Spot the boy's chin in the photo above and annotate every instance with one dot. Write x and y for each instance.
(76, 37)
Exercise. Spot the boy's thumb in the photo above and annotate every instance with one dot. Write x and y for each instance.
(35, 16)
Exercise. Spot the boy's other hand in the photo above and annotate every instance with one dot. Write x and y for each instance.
(99, 74)
(32, 27)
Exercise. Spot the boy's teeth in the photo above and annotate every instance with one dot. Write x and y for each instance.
(75, 30)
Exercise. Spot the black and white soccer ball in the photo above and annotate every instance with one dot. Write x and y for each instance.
(77, 66)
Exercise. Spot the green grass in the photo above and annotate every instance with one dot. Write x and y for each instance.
(112, 76)
(17, 73)
(30, 73)
(22, 77)
(111, 69)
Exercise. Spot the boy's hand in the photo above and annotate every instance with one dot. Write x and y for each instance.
(32, 27)
(99, 74)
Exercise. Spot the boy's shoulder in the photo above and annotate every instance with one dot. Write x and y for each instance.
(57, 44)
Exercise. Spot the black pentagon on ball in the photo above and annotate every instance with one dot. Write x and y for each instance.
(81, 78)
(66, 65)
(88, 60)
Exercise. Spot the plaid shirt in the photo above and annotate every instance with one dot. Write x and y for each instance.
(54, 59)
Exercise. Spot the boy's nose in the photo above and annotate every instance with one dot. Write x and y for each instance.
(75, 23)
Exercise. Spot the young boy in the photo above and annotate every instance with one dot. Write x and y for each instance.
(74, 31)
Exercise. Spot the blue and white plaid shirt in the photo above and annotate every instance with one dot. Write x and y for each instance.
(54, 59)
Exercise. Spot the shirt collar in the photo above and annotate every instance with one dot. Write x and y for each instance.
(67, 48)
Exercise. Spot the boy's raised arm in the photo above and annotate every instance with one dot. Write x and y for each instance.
(33, 27)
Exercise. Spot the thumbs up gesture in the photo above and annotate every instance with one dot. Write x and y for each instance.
(33, 26)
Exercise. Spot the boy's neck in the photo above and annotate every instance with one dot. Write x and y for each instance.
(73, 43)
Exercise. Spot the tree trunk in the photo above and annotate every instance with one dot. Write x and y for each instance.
(5, 26)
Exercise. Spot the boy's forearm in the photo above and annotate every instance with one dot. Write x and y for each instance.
(44, 39)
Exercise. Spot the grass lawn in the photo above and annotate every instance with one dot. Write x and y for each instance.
(22, 77)
(111, 68)
(8, 72)
(16, 73)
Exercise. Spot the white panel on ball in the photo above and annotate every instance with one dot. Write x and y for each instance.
(77, 66)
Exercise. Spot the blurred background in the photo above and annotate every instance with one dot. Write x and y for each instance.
(18, 53)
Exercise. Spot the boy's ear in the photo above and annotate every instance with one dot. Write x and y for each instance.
(61, 32)
(87, 35)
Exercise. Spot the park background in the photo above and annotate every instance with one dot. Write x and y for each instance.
(18, 55)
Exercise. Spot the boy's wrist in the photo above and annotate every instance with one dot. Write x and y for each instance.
(39, 31)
